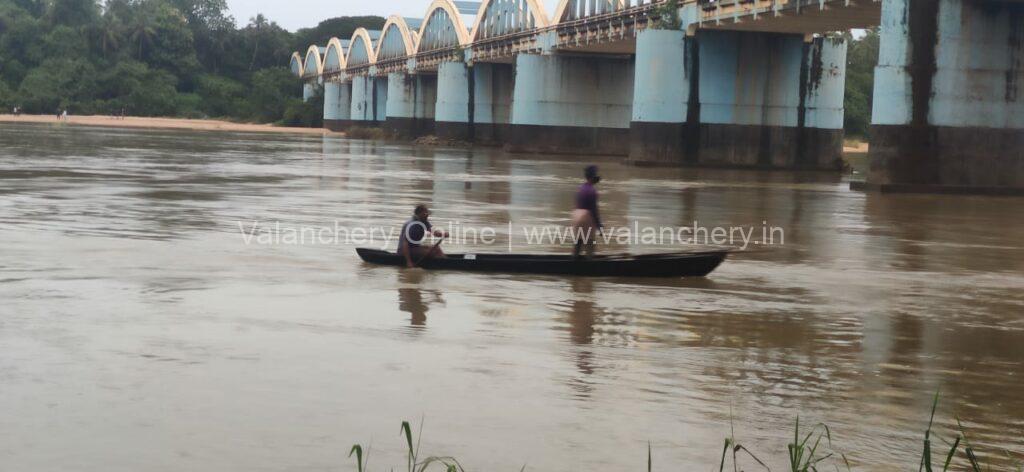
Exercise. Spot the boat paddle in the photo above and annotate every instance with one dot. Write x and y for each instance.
(430, 252)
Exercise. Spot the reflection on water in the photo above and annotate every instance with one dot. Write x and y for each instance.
(414, 300)
(140, 331)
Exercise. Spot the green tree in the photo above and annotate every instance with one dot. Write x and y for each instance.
(142, 30)
(154, 58)
(220, 96)
(63, 41)
(107, 34)
(20, 34)
(6, 97)
(74, 13)
(272, 91)
(264, 43)
(211, 28)
(173, 48)
(861, 58)
(58, 83)
(157, 95)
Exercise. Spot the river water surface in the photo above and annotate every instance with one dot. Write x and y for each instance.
(139, 331)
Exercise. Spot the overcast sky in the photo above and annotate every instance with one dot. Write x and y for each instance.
(295, 14)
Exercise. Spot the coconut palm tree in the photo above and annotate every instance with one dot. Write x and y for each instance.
(256, 26)
(108, 34)
(142, 31)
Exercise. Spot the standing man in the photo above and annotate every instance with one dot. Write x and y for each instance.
(414, 232)
(586, 220)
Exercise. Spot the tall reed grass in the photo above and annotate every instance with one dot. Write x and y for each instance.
(811, 450)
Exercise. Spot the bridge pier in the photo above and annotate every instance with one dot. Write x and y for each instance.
(362, 107)
(308, 89)
(369, 100)
(493, 87)
(410, 104)
(571, 105)
(664, 124)
(453, 120)
(380, 99)
(474, 103)
(337, 105)
(770, 100)
(948, 111)
(738, 99)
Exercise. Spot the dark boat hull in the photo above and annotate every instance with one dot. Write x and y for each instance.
(697, 264)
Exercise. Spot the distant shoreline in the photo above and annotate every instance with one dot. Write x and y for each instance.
(162, 123)
(851, 148)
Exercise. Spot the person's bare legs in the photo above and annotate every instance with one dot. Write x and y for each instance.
(418, 253)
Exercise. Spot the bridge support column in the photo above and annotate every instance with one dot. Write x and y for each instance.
(337, 106)
(454, 102)
(362, 107)
(572, 105)
(493, 86)
(380, 99)
(308, 89)
(665, 76)
(474, 103)
(770, 100)
(369, 100)
(410, 104)
(949, 98)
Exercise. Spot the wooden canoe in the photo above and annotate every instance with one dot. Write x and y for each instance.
(692, 264)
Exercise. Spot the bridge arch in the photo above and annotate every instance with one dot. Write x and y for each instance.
(334, 58)
(442, 27)
(296, 64)
(569, 10)
(360, 49)
(397, 39)
(500, 17)
(313, 65)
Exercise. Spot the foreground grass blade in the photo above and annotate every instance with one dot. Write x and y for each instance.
(358, 451)
(407, 431)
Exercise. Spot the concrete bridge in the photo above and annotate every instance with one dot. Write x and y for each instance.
(738, 83)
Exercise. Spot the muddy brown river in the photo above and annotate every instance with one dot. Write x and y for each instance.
(141, 330)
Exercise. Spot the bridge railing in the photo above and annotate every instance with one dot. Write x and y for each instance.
(719, 10)
(611, 26)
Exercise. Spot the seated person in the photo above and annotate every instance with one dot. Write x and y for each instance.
(414, 232)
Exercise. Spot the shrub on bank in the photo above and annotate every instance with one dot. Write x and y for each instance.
(304, 114)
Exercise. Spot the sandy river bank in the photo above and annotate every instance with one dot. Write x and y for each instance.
(165, 123)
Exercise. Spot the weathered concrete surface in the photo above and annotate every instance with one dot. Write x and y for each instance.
(362, 107)
(738, 99)
(474, 103)
(337, 106)
(380, 98)
(410, 104)
(308, 89)
(453, 118)
(664, 79)
(948, 111)
(493, 87)
(369, 100)
(770, 100)
(574, 105)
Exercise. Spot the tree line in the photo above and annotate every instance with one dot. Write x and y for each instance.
(186, 58)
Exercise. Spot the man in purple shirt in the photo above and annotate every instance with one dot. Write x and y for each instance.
(586, 220)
